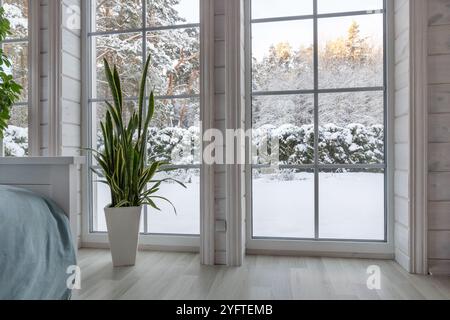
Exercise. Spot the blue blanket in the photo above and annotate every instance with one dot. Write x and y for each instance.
(36, 247)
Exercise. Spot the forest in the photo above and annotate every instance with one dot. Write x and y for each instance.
(350, 124)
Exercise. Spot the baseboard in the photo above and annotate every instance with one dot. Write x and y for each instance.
(439, 267)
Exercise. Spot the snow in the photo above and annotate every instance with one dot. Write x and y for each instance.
(16, 141)
(351, 207)
(186, 201)
(15, 15)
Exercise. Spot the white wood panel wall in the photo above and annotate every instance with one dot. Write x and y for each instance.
(70, 103)
(229, 72)
(402, 198)
(70, 78)
(60, 86)
(44, 79)
(220, 111)
(439, 136)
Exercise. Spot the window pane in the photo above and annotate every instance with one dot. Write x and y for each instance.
(351, 52)
(164, 13)
(351, 125)
(16, 135)
(124, 50)
(174, 71)
(175, 132)
(17, 13)
(18, 55)
(332, 6)
(351, 128)
(283, 55)
(283, 203)
(186, 201)
(352, 205)
(287, 120)
(118, 15)
(175, 61)
(103, 197)
(281, 8)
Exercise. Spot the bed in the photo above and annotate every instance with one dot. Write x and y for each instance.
(39, 227)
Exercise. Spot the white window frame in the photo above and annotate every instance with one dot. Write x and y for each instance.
(341, 248)
(90, 238)
(33, 79)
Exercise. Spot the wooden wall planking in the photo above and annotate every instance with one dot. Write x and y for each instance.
(220, 116)
(402, 198)
(439, 136)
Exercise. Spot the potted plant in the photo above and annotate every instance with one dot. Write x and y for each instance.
(126, 169)
(9, 89)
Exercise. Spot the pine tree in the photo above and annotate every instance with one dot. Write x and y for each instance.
(356, 45)
(174, 53)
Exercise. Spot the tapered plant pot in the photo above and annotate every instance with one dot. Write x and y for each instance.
(123, 233)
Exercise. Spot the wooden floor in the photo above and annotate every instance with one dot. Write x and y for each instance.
(161, 275)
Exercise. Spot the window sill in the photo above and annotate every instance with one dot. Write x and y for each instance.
(169, 243)
(335, 249)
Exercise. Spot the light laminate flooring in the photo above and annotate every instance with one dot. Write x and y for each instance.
(167, 276)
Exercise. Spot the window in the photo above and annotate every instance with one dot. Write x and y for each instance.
(16, 47)
(125, 32)
(319, 104)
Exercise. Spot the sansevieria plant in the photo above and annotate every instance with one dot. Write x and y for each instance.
(128, 171)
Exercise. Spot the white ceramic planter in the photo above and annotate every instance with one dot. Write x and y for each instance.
(123, 232)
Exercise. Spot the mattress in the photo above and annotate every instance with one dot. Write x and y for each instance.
(36, 247)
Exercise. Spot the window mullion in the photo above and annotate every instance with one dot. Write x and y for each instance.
(144, 29)
(319, 16)
(316, 122)
(144, 57)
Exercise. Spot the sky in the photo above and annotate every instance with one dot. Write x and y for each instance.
(300, 33)
(190, 10)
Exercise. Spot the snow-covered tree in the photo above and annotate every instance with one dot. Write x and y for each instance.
(16, 11)
(174, 52)
(351, 61)
(16, 141)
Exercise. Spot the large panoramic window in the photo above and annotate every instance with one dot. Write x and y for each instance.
(125, 33)
(318, 104)
(16, 47)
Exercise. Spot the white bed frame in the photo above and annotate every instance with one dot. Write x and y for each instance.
(57, 178)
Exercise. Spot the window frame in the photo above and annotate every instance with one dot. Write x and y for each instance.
(166, 241)
(32, 102)
(319, 245)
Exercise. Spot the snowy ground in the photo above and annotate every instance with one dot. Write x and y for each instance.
(351, 207)
(186, 201)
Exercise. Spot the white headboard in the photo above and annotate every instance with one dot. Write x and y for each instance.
(57, 178)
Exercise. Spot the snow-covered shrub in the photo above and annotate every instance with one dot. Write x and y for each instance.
(176, 145)
(16, 141)
(353, 144)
